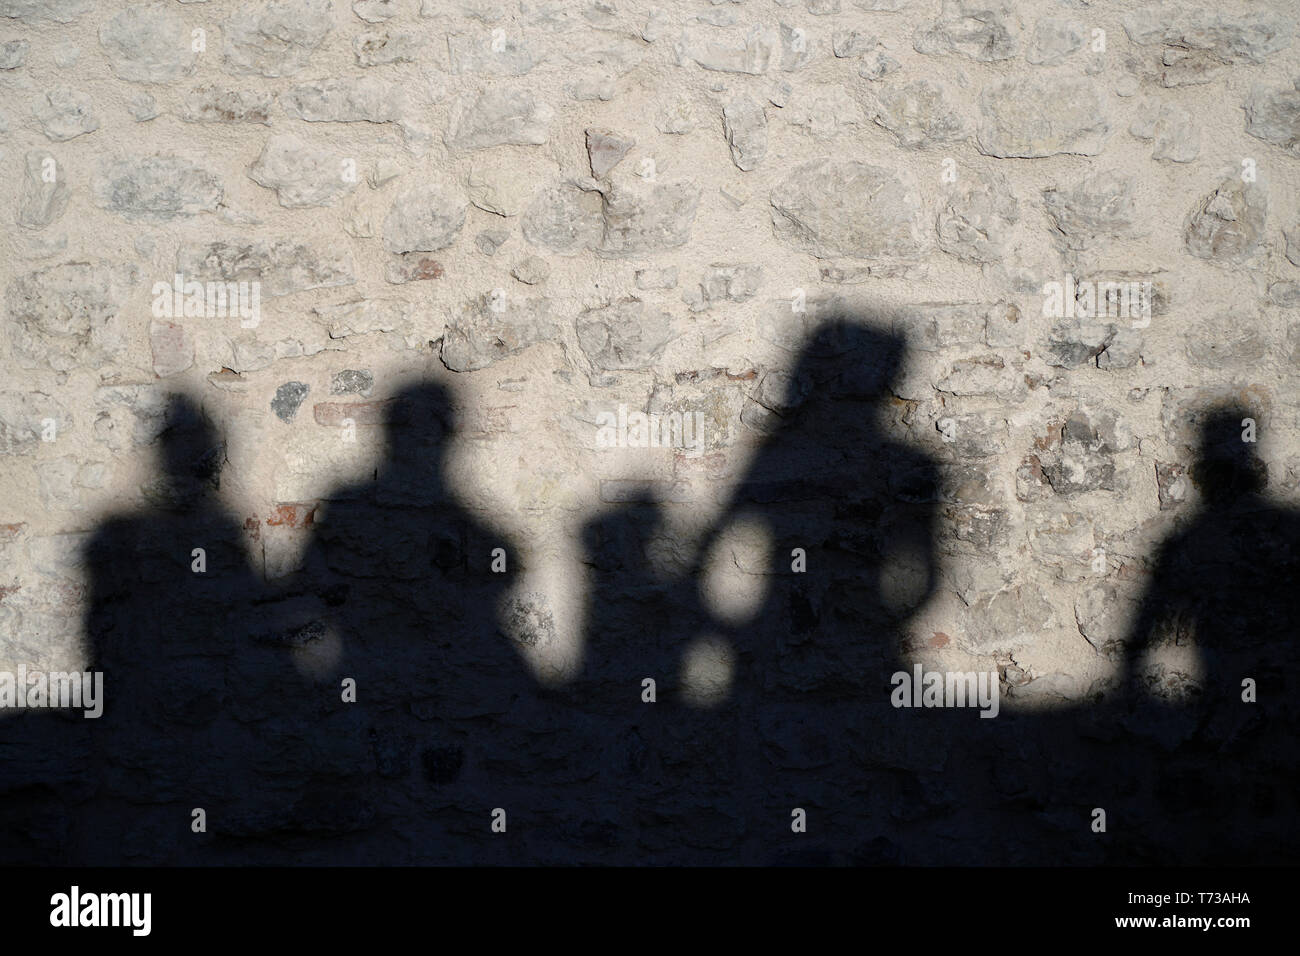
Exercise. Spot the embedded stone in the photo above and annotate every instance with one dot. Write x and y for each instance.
(156, 188)
(148, 43)
(1042, 116)
(831, 208)
(623, 335)
(276, 38)
(300, 174)
(44, 193)
(424, 217)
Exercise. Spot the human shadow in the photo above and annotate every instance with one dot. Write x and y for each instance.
(846, 514)
(375, 706)
(767, 706)
(1218, 786)
(414, 588)
(835, 526)
(170, 594)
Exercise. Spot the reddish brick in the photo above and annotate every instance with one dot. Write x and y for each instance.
(293, 515)
(333, 414)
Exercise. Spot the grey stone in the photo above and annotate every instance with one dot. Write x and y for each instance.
(798, 47)
(1176, 134)
(283, 266)
(301, 174)
(499, 189)
(605, 150)
(725, 283)
(1273, 115)
(564, 218)
(1104, 614)
(365, 316)
(1124, 350)
(1099, 207)
(490, 240)
(34, 11)
(66, 113)
(22, 418)
(376, 11)
(1227, 341)
(974, 218)
(276, 38)
(725, 52)
(352, 381)
(1292, 237)
(589, 89)
(623, 335)
(1073, 342)
(1084, 462)
(1228, 224)
(640, 218)
(931, 327)
(920, 114)
(424, 217)
(147, 406)
(1172, 484)
(676, 118)
(378, 49)
(877, 65)
(485, 11)
(1042, 116)
(148, 43)
(1002, 328)
(45, 194)
(288, 399)
(1285, 295)
(383, 171)
(1247, 37)
(68, 315)
(478, 53)
(366, 99)
(13, 54)
(479, 335)
(790, 329)
(143, 107)
(172, 347)
(156, 188)
(986, 374)
(498, 117)
(981, 530)
(665, 278)
(976, 435)
(66, 55)
(217, 104)
(827, 111)
(1054, 39)
(850, 43)
(746, 127)
(832, 208)
(987, 30)
(532, 270)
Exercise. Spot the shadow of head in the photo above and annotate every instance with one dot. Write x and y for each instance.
(1227, 466)
(621, 538)
(417, 422)
(847, 358)
(191, 456)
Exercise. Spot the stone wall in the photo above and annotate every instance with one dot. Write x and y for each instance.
(567, 212)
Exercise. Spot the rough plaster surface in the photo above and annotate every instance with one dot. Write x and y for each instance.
(554, 209)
